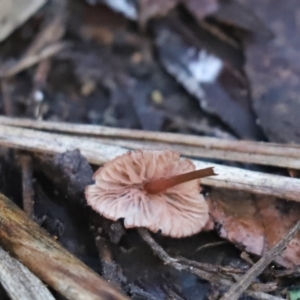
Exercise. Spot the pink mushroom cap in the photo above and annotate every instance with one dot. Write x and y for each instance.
(118, 192)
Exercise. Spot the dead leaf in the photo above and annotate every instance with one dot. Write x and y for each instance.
(212, 78)
(255, 223)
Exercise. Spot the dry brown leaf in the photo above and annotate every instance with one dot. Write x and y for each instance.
(256, 223)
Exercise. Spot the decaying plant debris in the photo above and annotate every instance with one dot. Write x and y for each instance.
(95, 151)
(47, 259)
(98, 152)
(83, 82)
(19, 282)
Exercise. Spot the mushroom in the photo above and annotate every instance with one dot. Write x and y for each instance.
(153, 189)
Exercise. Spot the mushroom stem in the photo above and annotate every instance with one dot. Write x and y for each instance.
(160, 185)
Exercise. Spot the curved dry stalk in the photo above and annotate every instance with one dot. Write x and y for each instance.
(41, 254)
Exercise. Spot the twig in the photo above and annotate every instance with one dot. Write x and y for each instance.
(294, 272)
(272, 154)
(47, 259)
(99, 153)
(245, 256)
(45, 44)
(158, 250)
(51, 33)
(29, 61)
(209, 276)
(19, 282)
(211, 245)
(244, 282)
(26, 165)
(210, 268)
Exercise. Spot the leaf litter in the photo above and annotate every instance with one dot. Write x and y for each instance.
(115, 74)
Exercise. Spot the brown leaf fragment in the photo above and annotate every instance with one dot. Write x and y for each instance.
(256, 223)
(238, 223)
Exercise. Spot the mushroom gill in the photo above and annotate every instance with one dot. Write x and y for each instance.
(153, 189)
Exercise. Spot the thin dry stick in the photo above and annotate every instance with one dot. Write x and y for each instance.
(29, 61)
(51, 33)
(45, 44)
(99, 153)
(243, 151)
(244, 282)
(198, 152)
(209, 276)
(47, 259)
(294, 272)
(26, 165)
(19, 282)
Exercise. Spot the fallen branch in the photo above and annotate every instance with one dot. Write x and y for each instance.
(25, 240)
(244, 282)
(99, 153)
(272, 154)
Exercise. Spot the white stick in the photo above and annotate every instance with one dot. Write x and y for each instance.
(280, 155)
(99, 153)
